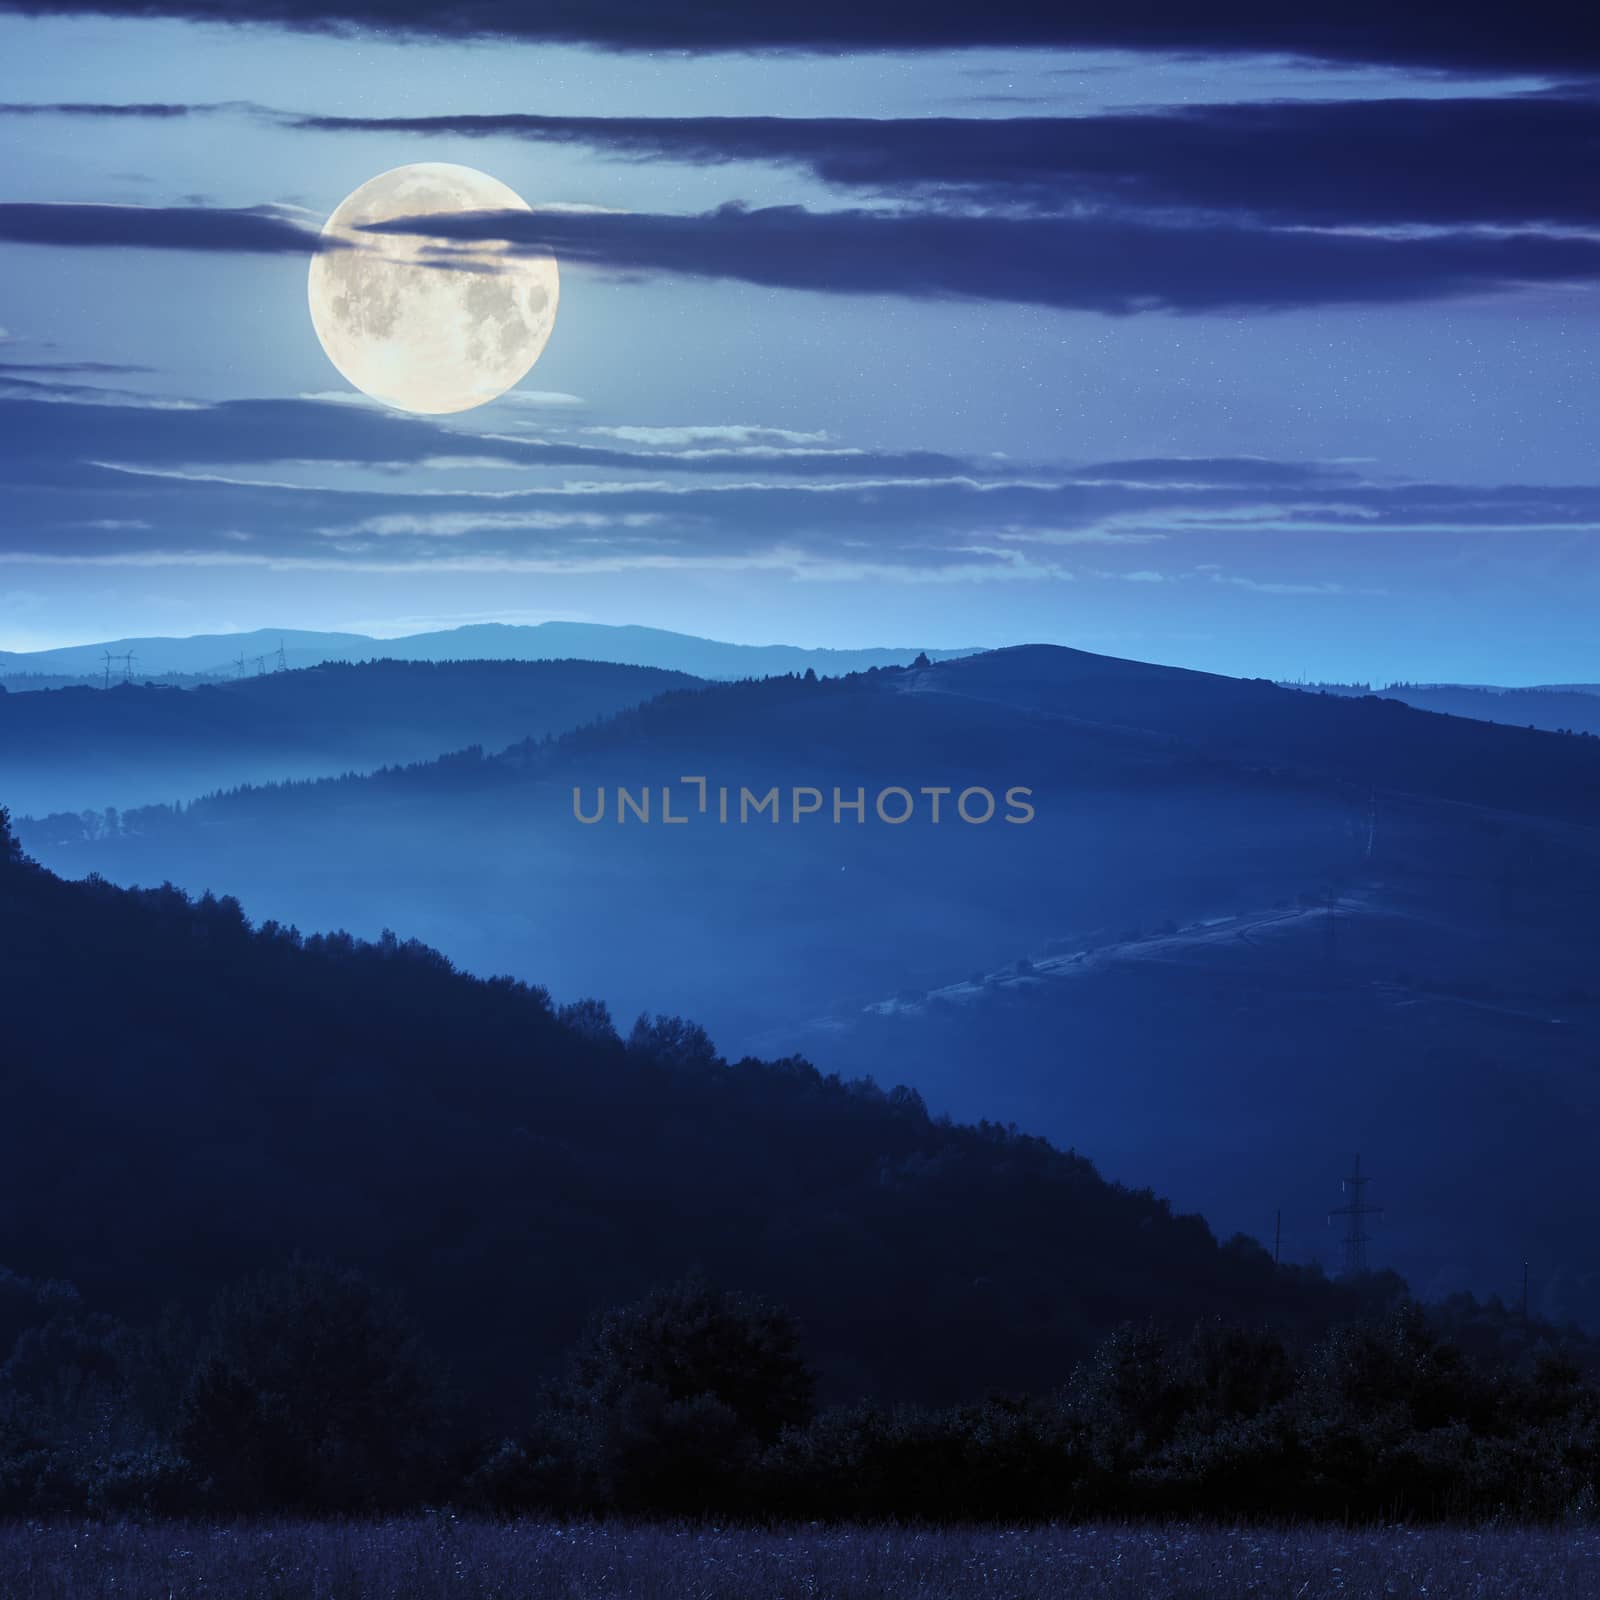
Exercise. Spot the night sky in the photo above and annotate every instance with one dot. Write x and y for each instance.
(1165, 331)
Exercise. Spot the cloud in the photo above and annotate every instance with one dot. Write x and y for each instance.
(147, 111)
(1112, 265)
(1095, 507)
(1213, 573)
(1447, 160)
(1209, 471)
(244, 431)
(53, 391)
(51, 367)
(1258, 586)
(1091, 535)
(733, 434)
(1476, 35)
(725, 446)
(542, 399)
(458, 524)
(302, 485)
(1438, 160)
(256, 229)
(784, 561)
(992, 566)
(866, 490)
(346, 397)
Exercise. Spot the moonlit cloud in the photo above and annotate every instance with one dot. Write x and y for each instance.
(723, 433)
(1465, 159)
(541, 399)
(1114, 265)
(457, 524)
(1022, 523)
(84, 395)
(1094, 535)
(787, 562)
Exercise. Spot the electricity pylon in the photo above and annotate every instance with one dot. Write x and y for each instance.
(1356, 1213)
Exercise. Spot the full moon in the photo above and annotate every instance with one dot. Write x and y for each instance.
(429, 324)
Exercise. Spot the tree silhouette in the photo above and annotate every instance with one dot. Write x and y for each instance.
(10, 845)
(312, 1390)
(692, 1341)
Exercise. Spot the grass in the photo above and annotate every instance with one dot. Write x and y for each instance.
(430, 1558)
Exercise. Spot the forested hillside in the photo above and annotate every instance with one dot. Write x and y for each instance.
(187, 1097)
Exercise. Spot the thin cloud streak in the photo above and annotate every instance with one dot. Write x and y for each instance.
(793, 563)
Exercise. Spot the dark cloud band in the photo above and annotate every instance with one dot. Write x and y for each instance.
(1469, 160)
(1511, 159)
(147, 110)
(1086, 264)
(154, 228)
(1101, 264)
(1475, 35)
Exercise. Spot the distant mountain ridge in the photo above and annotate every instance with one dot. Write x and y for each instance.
(1554, 707)
(1274, 790)
(67, 748)
(219, 654)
